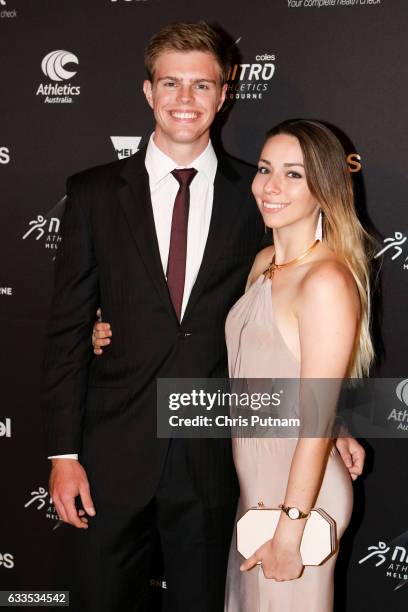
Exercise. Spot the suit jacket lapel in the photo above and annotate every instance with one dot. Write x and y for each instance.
(223, 214)
(134, 196)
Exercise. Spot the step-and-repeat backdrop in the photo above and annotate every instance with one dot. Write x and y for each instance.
(71, 97)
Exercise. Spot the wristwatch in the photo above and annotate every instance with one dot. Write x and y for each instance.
(293, 513)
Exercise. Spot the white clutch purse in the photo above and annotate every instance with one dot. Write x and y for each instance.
(319, 540)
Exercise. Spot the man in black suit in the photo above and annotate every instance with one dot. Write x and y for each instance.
(166, 289)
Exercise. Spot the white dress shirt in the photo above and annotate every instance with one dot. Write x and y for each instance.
(163, 190)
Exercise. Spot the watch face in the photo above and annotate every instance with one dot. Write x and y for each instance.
(293, 513)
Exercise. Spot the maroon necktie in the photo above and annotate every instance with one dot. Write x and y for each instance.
(176, 265)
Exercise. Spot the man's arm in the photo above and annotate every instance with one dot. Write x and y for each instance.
(67, 356)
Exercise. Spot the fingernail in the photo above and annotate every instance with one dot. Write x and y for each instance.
(90, 511)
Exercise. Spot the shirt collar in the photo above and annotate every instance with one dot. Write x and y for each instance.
(159, 165)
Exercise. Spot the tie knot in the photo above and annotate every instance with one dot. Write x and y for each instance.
(184, 176)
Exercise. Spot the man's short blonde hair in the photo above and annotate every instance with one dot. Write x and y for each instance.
(199, 36)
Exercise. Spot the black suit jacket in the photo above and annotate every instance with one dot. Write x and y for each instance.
(104, 407)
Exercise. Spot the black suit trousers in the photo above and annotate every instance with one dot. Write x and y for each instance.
(113, 557)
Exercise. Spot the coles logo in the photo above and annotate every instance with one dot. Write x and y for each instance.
(54, 66)
(250, 81)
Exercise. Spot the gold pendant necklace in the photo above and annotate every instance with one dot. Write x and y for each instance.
(274, 267)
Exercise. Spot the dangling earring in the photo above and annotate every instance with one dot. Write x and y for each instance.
(267, 237)
(319, 227)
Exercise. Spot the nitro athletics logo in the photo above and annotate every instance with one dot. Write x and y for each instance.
(41, 500)
(395, 246)
(45, 229)
(53, 66)
(251, 81)
(392, 557)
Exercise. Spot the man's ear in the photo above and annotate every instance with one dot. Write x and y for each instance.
(148, 92)
(224, 89)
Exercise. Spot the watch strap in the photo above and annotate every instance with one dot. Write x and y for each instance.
(286, 509)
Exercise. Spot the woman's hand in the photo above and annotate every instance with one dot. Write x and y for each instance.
(280, 561)
(101, 335)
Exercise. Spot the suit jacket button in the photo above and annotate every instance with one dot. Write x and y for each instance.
(183, 334)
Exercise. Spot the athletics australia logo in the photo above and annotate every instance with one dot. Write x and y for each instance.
(45, 228)
(41, 500)
(53, 66)
(392, 557)
(401, 416)
(394, 246)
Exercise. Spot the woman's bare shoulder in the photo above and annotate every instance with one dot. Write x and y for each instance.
(329, 278)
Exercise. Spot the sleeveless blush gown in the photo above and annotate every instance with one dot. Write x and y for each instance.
(256, 349)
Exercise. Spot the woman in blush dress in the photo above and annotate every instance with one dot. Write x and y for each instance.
(304, 315)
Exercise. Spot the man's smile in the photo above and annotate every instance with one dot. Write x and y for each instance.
(184, 115)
